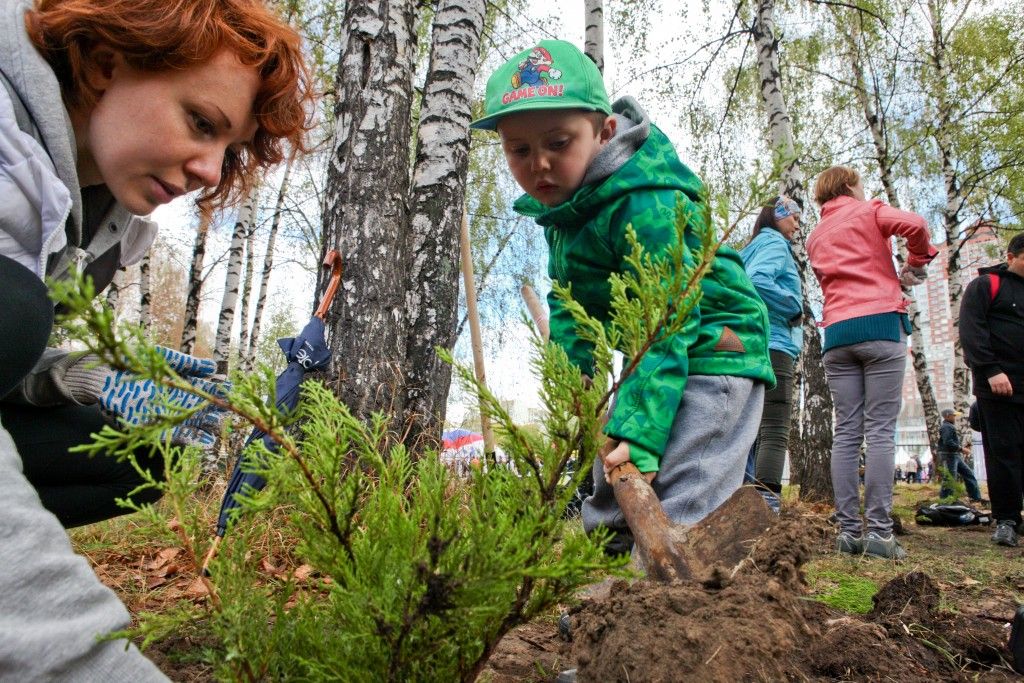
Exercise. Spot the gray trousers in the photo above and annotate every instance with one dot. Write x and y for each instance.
(866, 382)
(714, 427)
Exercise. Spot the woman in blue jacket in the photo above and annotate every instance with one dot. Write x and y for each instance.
(771, 267)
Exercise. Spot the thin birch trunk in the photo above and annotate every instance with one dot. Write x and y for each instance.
(226, 320)
(875, 118)
(268, 264)
(195, 284)
(365, 213)
(939, 88)
(243, 307)
(810, 447)
(593, 38)
(437, 199)
(145, 297)
(114, 290)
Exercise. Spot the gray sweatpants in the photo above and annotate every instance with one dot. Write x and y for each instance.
(714, 427)
(866, 382)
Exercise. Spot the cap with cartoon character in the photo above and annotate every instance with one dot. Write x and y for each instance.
(552, 75)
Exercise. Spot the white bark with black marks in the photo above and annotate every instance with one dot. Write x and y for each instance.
(810, 446)
(593, 37)
(437, 201)
(195, 284)
(145, 296)
(268, 265)
(226, 320)
(365, 212)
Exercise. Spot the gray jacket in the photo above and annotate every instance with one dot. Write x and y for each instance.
(41, 205)
(53, 609)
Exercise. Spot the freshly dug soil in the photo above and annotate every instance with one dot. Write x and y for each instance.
(755, 624)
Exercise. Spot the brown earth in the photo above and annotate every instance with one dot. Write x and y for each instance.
(759, 625)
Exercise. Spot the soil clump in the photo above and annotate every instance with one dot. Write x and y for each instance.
(755, 623)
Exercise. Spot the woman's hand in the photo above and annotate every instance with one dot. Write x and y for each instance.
(617, 456)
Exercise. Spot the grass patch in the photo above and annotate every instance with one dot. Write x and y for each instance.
(843, 591)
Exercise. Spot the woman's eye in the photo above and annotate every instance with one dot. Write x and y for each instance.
(203, 124)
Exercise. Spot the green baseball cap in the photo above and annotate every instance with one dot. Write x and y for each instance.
(552, 75)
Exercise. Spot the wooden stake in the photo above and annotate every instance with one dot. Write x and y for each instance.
(474, 332)
(536, 311)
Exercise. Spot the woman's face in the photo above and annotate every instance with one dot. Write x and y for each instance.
(787, 226)
(154, 136)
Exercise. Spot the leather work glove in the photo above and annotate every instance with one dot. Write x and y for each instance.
(133, 400)
(912, 275)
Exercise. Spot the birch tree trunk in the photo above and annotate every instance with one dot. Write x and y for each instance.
(437, 201)
(268, 264)
(942, 127)
(811, 445)
(875, 118)
(145, 314)
(195, 284)
(365, 214)
(114, 290)
(593, 40)
(243, 307)
(226, 320)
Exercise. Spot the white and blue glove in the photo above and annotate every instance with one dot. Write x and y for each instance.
(134, 401)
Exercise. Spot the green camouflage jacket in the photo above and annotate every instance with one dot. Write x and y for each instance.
(727, 335)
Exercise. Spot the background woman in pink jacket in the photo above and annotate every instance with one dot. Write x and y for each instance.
(865, 346)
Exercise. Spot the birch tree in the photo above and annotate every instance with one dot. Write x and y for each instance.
(811, 443)
(365, 209)
(268, 265)
(145, 296)
(226, 320)
(244, 295)
(195, 284)
(593, 40)
(870, 99)
(437, 205)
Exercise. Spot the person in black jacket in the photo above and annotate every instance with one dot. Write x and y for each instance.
(992, 336)
(950, 450)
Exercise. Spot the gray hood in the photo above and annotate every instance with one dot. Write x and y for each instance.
(39, 92)
(632, 126)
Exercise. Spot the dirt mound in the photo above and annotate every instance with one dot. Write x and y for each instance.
(756, 625)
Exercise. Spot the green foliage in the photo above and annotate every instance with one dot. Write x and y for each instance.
(415, 575)
(957, 489)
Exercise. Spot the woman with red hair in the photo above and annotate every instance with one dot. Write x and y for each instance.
(108, 109)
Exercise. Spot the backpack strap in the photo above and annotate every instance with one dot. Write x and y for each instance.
(993, 286)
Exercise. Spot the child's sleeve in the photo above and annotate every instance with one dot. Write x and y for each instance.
(562, 328)
(649, 398)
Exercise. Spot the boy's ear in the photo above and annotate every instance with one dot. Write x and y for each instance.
(608, 129)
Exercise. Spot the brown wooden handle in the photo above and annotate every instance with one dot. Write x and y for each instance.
(333, 261)
(660, 543)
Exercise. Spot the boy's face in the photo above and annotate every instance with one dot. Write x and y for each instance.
(549, 151)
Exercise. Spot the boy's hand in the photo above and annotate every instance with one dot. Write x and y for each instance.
(619, 454)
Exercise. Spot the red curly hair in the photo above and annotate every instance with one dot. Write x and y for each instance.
(157, 35)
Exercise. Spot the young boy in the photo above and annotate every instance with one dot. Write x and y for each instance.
(689, 413)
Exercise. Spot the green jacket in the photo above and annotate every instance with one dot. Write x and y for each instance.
(587, 243)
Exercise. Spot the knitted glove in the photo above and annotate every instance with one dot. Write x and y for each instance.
(135, 401)
(912, 275)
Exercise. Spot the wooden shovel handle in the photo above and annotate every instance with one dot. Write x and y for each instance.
(660, 543)
(333, 261)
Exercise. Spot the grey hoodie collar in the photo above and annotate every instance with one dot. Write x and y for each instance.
(632, 126)
(37, 85)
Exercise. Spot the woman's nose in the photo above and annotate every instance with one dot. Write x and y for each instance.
(204, 169)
